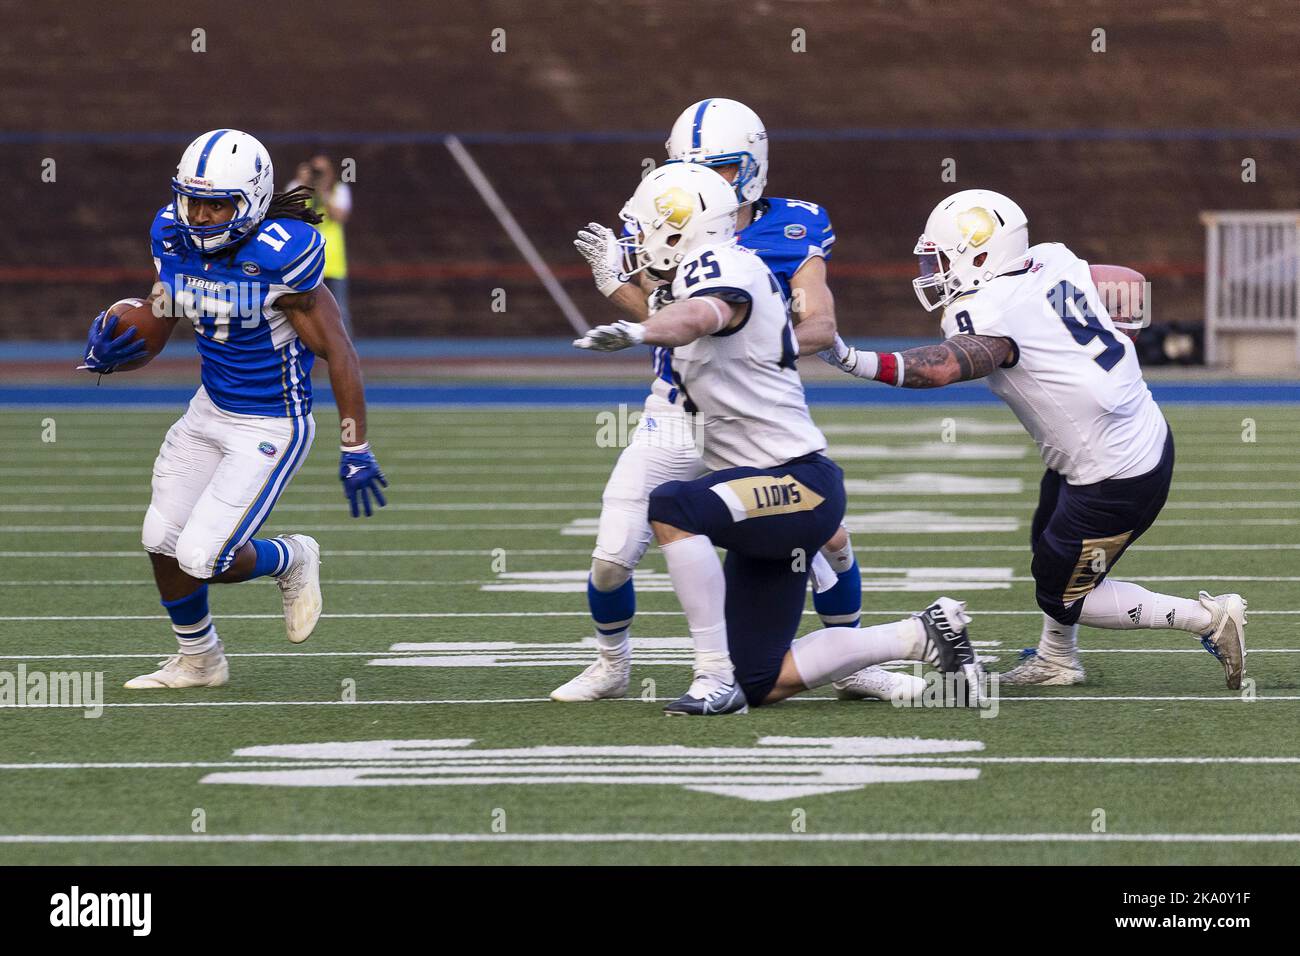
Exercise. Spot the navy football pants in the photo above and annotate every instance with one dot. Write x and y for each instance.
(772, 522)
(1080, 531)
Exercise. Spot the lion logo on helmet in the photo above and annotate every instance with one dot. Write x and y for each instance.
(976, 226)
(676, 207)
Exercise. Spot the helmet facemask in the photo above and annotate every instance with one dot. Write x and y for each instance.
(210, 238)
(932, 283)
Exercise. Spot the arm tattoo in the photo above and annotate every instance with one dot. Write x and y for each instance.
(959, 359)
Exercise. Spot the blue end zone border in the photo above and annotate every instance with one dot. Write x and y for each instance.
(604, 395)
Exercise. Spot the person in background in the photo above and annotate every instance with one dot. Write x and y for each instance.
(333, 202)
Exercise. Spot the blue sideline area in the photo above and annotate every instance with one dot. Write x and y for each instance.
(397, 348)
(121, 391)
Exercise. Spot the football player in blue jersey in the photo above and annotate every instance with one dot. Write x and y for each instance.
(244, 264)
(794, 239)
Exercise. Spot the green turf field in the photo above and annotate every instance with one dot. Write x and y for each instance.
(452, 614)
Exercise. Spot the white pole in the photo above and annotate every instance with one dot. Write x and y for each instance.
(1211, 288)
(516, 233)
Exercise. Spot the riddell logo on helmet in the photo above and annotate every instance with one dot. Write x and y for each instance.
(198, 181)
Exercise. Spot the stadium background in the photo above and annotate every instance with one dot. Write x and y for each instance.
(1116, 153)
(489, 426)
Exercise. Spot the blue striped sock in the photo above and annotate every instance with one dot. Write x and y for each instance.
(273, 557)
(841, 606)
(613, 612)
(191, 622)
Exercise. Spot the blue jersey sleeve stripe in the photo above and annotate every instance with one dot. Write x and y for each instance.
(296, 277)
(207, 151)
(316, 242)
(311, 278)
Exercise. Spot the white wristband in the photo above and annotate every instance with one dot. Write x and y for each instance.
(353, 449)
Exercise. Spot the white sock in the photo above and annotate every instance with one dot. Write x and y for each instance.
(842, 559)
(196, 638)
(617, 646)
(1123, 606)
(701, 586)
(836, 652)
(294, 549)
(1060, 641)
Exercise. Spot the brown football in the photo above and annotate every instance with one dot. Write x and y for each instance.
(138, 314)
(1124, 292)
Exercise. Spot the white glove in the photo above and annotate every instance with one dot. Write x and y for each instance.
(611, 338)
(848, 359)
(599, 246)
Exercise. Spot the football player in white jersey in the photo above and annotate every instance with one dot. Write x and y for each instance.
(793, 238)
(1032, 321)
(770, 496)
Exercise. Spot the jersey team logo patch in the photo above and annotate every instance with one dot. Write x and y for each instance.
(795, 231)
(760, 496)
(267, 449)
(251, 268)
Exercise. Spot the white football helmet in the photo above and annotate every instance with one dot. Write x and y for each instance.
(677, 208)
(228, 164)
(718, 132)
(970, 239)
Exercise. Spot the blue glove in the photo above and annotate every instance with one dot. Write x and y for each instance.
(105, 353)
(361, 478)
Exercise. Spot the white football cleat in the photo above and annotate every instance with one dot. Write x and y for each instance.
(608, 677)
(300, 587)
(1226, 639)
(1039, 671)
(876, 683)
(186, 670)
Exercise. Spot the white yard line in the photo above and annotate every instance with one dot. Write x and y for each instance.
(1085, 837)
(473, 757)
(861, 548)
(1003, 503)
(478, 582)
(1227, 698)
(481, 614)
(564, 657)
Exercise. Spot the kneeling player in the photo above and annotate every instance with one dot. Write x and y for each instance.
(1031, 320)
(794, 239)
(772, 498)
(245, 266)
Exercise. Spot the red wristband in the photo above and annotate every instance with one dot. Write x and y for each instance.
(890, 368)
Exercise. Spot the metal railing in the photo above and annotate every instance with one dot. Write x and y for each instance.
(1252, 275)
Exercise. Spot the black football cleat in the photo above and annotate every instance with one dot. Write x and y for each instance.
(948, 646)
(709, 697)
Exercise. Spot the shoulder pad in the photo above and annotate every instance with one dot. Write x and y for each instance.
(163, 236)
(286, 252)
